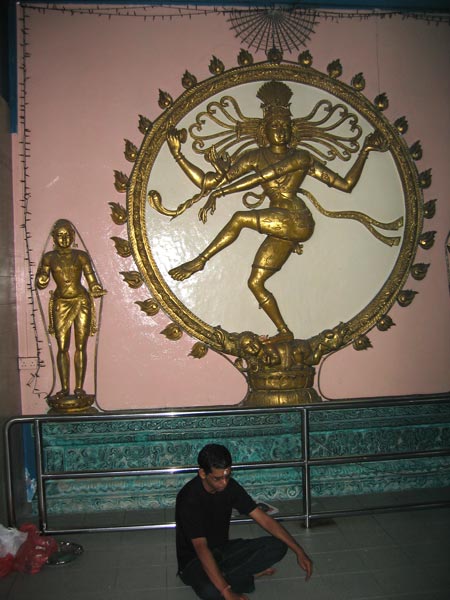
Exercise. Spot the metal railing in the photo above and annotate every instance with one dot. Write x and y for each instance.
(304, 464)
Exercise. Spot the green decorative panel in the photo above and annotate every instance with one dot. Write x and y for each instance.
(169, 442)
(385, 476)
(353, 432)
(154, 492)
(161, 441)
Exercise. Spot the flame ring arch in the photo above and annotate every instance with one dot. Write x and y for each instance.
(187, 103)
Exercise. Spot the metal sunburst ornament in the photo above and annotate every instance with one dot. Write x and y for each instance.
(280, 27)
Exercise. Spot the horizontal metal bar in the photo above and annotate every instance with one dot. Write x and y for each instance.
(118, 528)
(162, 471)
(327, 514)
(350, 403)
(155, 414)
(341, 460)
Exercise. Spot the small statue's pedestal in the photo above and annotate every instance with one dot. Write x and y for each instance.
(71, 403)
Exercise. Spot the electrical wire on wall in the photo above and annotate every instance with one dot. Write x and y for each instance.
(447, 258)
(170, 11)
(25, 148)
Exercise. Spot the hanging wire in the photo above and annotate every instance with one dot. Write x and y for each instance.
(447, 258)
(25, 146)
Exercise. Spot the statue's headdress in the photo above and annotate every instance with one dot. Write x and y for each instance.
(275, 97)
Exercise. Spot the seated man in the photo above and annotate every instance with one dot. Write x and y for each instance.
(208, 561)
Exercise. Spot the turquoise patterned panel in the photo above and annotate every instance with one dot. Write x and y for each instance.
(152, 492)
(171, 442)
(375, 430)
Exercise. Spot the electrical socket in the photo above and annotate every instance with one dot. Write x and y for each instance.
(27, 363)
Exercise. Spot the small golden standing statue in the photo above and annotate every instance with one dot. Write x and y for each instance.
(71, 306)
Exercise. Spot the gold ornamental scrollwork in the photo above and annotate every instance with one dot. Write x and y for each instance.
(224, 138)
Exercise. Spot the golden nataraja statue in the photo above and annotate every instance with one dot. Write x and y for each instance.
(71, 307)
(279, 163)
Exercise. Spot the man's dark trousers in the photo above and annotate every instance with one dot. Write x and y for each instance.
(239, 560)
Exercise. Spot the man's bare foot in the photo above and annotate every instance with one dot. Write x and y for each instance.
(62, 394)
(79, 392)
(267, 573)
(187, 269)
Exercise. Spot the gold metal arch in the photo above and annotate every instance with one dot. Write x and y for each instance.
(176, 110)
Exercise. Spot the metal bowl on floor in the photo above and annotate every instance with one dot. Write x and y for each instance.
(66, 553)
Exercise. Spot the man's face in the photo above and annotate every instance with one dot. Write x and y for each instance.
(215, 481)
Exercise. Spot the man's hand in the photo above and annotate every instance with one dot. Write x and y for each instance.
(305, 563)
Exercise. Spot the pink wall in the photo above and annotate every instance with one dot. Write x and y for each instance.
(89, 79)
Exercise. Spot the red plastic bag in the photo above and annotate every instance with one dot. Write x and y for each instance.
(34, 552)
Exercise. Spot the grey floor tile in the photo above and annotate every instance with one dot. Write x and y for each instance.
(151, 556)
(184, 593)
(172, 580)
(171, 555)
(143, 538)
(378, 558)
(352, 586)
(344, 561)
(426, 596)
(6, 584)
(52, 583)
(411, 580)
(429, 553)
(314, 589)
(329, 541)
(361, 532)
(417, 532)
(136, 578)
(93, 560)
(157, 594)
(339, 503)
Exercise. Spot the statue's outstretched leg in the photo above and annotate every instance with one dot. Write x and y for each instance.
(239, 221)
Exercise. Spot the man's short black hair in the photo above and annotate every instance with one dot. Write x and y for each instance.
(214, 456)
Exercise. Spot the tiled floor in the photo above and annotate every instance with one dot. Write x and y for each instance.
(384, 556)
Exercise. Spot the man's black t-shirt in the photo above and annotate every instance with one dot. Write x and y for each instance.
(202, 514)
